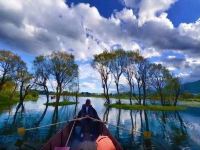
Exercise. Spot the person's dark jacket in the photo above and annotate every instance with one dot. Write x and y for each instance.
(91, 112)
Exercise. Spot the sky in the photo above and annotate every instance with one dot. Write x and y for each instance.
(165, 31)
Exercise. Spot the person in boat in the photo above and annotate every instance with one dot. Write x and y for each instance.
(88, 111)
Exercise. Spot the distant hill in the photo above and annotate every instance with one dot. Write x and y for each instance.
(192, 87)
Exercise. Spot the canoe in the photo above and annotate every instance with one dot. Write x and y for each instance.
(58, 141)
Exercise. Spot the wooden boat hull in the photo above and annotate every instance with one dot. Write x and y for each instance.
(60, 138)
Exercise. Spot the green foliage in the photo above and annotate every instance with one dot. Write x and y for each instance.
(187, 95)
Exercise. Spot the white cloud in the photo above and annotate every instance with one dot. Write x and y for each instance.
(39, 27)
(171, 57)
(150, 52)
(88, 85)
(150, 9)
(191, 29)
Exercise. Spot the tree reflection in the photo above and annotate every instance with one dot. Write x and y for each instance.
(106, 114)
(118, 123)
(42, 116)
(147, 141)
(20, 105)
(173, 130)
(52, 128)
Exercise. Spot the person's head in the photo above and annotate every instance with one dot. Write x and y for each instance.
(88, 102)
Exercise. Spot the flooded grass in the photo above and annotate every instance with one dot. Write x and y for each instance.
(148, 107)
(63, 103)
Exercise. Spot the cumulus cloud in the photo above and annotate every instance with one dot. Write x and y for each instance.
(39, 27)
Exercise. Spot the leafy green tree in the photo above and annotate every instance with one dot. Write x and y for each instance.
(130, 71)
(160, 78)
(63, 70)
(117, 65)
(173, 89)
(25, 80)
(145, 74)
(42, 74)
(8, 65)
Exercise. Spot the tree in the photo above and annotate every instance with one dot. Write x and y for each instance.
(159, 79)
(145, 74)
(63, 70)
(138, 76)
(129, 71)
(173, 88)
(24, 79)
(117, 67)
(42, 74)
(101, 63)
(15, 74)
(8, 63)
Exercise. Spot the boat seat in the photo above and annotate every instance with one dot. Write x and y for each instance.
(62, 148)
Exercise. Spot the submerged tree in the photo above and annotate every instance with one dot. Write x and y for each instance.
(173, 89)
(129, 71)
(116, 66)
(26, 82)
(138, 76)
(101, 63)
(15, 75)
(42, 74)
(145, 74)
(63, 70)
(159, 80)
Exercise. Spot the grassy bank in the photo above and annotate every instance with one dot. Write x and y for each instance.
(63, 103)
(6, 102)
(148, 107)
(126, 97)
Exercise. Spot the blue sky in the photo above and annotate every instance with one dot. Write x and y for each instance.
(165, 31)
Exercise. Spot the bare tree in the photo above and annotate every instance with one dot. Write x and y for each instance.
(101, 63)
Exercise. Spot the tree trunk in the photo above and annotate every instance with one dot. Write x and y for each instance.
(46, 93)
(130, 92)
(144, 93)
(139, 91)
(107, 93)
(2, 81)
(58, 94)
(21, 92)
(161, 96)
(117, 86)
(176, 97)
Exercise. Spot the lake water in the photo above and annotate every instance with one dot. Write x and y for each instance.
(171, 130)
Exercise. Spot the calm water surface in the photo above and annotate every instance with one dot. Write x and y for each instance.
(171, 130)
